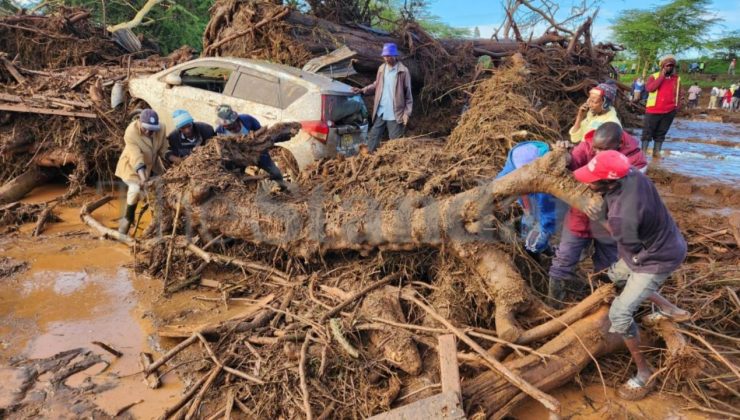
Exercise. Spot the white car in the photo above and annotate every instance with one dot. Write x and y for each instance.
(334, 119)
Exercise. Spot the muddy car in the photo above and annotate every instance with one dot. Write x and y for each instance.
(334, 120)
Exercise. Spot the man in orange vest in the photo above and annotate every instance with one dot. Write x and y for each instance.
(663, 88)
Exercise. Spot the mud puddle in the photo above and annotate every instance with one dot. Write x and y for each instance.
(77, 290)
(591, 403)
(707, 151)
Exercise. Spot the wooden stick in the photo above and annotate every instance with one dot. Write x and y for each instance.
(575, 313)
(170, 354)
(185, 398)
(449, 370)
(304, 383)
(336, 331)
(13, 71)
(547, 400)
(199, 398)
(48, 111)
(229, 404)
(105, 232)
(152, 381)
(108, 348)
(243, 375)
(172, 240)
(382, 282)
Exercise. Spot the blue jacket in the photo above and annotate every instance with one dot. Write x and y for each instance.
(539, 208)
(248, 121)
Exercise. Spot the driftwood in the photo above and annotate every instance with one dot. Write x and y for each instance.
(21, 185)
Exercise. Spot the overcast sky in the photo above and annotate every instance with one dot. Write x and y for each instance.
(487, 15)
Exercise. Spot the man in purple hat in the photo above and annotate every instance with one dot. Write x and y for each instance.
(392, 107)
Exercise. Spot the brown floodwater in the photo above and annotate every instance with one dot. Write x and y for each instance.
(78, 290)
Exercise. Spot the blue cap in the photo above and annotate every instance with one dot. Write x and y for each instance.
(524, 154)
(149, 120)
(181, 118)
(390, 50)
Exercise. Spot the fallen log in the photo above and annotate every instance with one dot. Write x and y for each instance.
(572, 350)
(21, 185)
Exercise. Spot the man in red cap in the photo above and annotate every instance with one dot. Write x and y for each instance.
(650, 247)
(578, 232)
(393, 100)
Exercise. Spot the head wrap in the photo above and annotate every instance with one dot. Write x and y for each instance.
(666, 58)
(608, 91)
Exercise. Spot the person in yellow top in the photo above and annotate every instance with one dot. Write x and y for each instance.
(145, 142)
(598, 109)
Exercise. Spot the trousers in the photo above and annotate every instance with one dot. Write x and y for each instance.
(395, 130)
(655, 126)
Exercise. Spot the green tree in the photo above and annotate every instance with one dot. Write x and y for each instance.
(476, 32)
(726, 47)
(671, 28)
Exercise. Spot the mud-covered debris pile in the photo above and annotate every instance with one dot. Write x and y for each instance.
(347, 265)
(56, 82)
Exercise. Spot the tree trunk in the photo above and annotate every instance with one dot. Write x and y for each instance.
(18, 187)
(571, 350)
(306, 224)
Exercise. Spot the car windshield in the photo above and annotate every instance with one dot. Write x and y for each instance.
(346, 109)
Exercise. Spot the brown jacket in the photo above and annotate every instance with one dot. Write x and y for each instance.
(402, 101)
(141, 152)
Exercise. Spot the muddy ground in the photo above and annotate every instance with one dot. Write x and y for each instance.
(66, 289)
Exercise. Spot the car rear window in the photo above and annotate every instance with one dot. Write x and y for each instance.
(209, 78)
(344, 108)
(257, 87)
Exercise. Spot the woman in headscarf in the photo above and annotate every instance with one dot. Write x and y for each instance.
(598, 109)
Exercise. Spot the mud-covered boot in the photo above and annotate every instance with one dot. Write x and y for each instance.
(644, 146)
(125, 223)
(657, 148)
(556, 293)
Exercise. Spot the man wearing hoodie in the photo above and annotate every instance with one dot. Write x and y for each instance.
(539, 220)
(578, 231)
(649, 246)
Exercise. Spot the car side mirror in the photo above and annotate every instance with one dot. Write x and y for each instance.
(173, 79)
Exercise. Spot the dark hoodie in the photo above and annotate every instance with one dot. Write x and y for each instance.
(648, 239)
(577, 221)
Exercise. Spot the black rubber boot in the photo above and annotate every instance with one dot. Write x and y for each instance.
(125, 223)
(657, 148)
(644, 146)
(556, 293)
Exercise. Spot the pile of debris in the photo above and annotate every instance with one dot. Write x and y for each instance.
(63, 105)
(352, 276)
(443, 70)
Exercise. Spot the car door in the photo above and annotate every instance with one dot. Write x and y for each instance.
(257, 93)
(205, 85)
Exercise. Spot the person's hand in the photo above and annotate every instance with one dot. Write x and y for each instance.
(405, 119)
(356, 90)
(593, 209)
(536, 241)
(563, 144)
(583, 109)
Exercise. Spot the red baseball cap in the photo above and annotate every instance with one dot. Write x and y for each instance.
(609, 164)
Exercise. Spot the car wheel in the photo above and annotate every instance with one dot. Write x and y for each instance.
(135, 107)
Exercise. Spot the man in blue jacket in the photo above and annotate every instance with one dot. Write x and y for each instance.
(539, 220)
(232, 124)
(650, 248)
